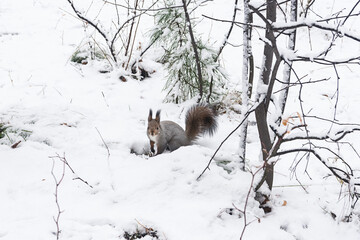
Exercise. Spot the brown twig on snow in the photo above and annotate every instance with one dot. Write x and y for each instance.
(57, 184)
(16, 144)
(63, 159)
(244, 211)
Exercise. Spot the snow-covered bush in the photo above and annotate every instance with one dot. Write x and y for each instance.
(111, 36)
(171, 32)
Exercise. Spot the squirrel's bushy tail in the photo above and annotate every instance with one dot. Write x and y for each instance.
(200, 119)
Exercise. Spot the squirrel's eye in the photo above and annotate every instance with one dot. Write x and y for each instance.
(157, 128)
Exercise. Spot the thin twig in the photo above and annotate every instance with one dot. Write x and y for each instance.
(102, 33)
(56, 194)
(64, 160)
(150, 9)
(244, 211)
(227, 137)
(107, 148)
(126, 22)
(133, 42)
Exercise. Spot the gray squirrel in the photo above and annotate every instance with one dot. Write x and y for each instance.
(200, 119)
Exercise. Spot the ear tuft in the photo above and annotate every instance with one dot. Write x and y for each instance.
(157, 118)
(150, 115)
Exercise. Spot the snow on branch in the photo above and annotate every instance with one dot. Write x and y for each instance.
(335, 137)
(341, 174)
(341, 30)
(325, 61)
(346, 176)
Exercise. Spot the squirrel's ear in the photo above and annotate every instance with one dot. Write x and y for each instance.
(157, 118)
(150, 115)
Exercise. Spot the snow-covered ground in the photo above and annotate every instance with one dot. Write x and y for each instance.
(71, 110)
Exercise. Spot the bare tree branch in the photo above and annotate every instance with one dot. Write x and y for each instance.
(102, 33)
(150, 9)
(227, 137)
(320, 25)
(337, 172)
(195, 48)
(235, 22)
(124, 24)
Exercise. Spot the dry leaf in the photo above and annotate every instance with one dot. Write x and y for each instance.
(65, 124)
(299, 117)
(284, 203)
(284, 122)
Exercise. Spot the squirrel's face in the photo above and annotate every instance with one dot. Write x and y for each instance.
(153, 129)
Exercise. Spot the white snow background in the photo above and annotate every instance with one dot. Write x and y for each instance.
(69, 109)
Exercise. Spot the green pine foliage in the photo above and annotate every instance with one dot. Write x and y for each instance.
(2, 130)
(87, 52)
(10, 135)
(172, 34)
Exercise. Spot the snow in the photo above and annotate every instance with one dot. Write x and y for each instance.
(70, 109)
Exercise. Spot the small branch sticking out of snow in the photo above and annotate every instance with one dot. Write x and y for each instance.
(244, 211)
(58, 181)
(107, 148)
(57, 184)
(63, 159)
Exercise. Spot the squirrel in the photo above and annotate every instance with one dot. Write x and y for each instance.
(200, 119)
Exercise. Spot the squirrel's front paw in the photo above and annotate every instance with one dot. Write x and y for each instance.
(152, 152)
(153, 149)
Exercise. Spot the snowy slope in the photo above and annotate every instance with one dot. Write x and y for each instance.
(71, 109)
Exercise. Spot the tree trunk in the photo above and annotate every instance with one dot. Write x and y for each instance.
(247, 75)
(261, 110)
(288, 65)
